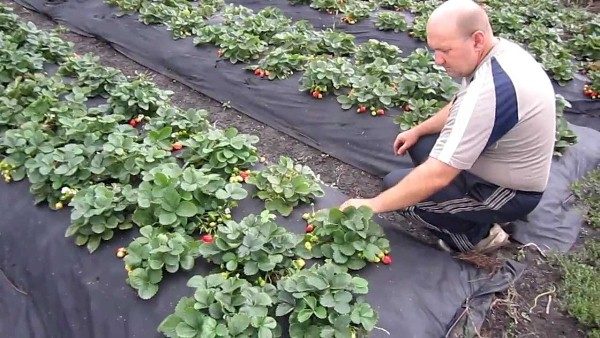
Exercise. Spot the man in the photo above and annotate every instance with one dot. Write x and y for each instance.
(485, 157)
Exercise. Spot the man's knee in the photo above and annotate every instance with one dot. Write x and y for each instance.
(420, 151)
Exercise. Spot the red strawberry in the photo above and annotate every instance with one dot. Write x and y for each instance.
(315, 94)
(387, 259)
(257, 71)
(176, 146)
(245, 174)
(361, 109)
(208, 238)
(310, 228)
(133, 123)
(380, 111)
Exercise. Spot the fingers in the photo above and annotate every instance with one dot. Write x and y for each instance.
(402, 150)
(398, 143)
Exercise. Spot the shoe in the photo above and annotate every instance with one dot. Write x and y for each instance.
(442, 245)
(495, 240)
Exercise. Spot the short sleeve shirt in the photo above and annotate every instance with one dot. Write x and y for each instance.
(501, 124)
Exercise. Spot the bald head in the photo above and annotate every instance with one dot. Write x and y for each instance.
(464, 17)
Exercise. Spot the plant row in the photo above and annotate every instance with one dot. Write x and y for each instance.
(121, 155)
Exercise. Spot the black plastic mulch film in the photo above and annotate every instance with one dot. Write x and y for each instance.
(55, 289)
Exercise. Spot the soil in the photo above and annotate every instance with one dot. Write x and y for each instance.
(509, 315)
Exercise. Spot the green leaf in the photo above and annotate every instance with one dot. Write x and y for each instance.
(185, 331)
(283, 309)
(186, 209)
(148, 291)
(238, 323)
(171, 199)
(304, 315)
(167, 218)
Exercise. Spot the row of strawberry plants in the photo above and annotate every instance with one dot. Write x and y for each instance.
(553, 33)
(168, 190)
(283, 47)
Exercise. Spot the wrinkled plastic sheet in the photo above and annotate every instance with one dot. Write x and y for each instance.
(555, 223)
(357, 139)
(52, 288)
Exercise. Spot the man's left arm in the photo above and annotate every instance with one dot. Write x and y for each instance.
(422, 182)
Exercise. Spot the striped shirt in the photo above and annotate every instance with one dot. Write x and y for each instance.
(501, 124)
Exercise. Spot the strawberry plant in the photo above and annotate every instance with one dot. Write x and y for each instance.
(299, 38)
(65, 166)
(175, 198)
(256, 248)
(368, 92)
(389, 21)
(325, 301)
(239, 46)
(152, 12)
(355, 10)
(266, 23)
(326, 74)
(90, 74)
(98, 210)
(592, 89)
(126, 5)
(279, 63)
(329, 6)
(397, 5)
(157, 250)
(221, 151)
(337, 43)
(15, 62)
(184, 21)
(349, 238)
(285, 185)
(586, 43)
(564, 136)
(209, 7)
(371, 50)
(139, 96)
(181, 123)
(417, 111)
(223, 307)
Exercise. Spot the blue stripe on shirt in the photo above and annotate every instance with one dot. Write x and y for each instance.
(507, 107)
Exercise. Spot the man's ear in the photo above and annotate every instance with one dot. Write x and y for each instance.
(478, 39)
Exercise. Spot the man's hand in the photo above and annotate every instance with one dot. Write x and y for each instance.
(405, 140)
(357, 202)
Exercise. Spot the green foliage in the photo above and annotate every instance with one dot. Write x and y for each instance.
(175, 198)
(256, 248)
(326, 74)
(390, 21)
(587, 191)
(564, 136)
(580, 287)
(157, 250)
(349, 238)
(223, 307)
(98, 210)
(221, 151)
(285, 185)
(323, 301)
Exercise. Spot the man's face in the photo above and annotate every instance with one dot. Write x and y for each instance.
(456, 53)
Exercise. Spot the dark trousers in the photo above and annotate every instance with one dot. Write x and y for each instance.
(463, 212)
